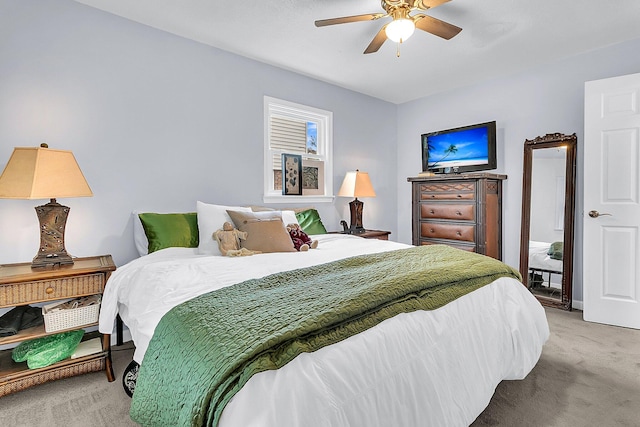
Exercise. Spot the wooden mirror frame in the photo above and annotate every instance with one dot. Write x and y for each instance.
(551, 140)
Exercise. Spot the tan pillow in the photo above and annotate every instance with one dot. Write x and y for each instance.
(265, 231)
(255, 208)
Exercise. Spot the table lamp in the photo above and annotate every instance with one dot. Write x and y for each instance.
(42, 173)
(356, 184)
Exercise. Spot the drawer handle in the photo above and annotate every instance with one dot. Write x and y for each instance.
(458, 233)
(432, 230)
(459, 196)
(432, 211)
(458, 213)
(49, 290)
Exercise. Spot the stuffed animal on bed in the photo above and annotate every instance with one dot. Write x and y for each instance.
(228, 239)
(301, 240)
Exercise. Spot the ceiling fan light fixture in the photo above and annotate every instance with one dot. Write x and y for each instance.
(402, 24)
(399, 30)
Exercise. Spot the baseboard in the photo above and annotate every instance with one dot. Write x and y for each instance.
(576, 304)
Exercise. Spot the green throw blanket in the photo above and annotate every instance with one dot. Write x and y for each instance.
(204, 350)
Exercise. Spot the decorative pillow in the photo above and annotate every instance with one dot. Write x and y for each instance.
(139, 236)
(265, 231)
(310, 222)
(289, 217)
(45, 351)
(258, 208)
(210, 219)
(170, 230)
(555, 250)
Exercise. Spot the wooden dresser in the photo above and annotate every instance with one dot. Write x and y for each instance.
(461, 210)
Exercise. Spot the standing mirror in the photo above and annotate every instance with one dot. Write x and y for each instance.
(548, 205)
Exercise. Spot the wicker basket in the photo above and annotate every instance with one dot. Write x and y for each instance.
(58, 320)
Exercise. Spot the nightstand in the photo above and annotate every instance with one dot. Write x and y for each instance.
(22, 285)
(369, 234)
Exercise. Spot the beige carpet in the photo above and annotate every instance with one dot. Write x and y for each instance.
(588, 375)
(83, 401)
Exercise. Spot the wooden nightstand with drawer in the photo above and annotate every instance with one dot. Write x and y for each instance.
(21, 285)
(368, 234)
(374, 234)
(463, 211)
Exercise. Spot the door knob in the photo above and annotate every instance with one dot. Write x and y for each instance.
(596, 214)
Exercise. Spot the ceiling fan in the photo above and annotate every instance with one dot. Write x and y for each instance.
(403, 24)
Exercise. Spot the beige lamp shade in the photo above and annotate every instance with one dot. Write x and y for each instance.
(356, 184)
(42, 173)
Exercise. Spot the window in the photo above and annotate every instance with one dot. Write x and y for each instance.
(297, 129)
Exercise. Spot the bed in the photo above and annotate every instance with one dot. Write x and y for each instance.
(541, 261)
(422, 367)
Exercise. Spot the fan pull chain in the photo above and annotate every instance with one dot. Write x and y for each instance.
(398, 49)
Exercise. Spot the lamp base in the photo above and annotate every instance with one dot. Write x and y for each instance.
(356, 230)
(53, 219)
(356, 207)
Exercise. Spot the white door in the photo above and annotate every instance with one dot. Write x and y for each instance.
(611, 249)
(611, 262)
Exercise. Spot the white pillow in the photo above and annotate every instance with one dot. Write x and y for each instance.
(139, 236)
(288, 217)
(210, 219)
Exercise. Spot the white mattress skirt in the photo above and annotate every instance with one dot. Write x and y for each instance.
(427, 368)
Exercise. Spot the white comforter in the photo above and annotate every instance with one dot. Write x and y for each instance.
(435, 368)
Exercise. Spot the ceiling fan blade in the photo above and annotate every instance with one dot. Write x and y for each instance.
(377, 41)
(436, 26)
(428, 4)
(347, 19)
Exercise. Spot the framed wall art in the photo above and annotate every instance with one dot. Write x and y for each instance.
(312, 177)
(291, 174)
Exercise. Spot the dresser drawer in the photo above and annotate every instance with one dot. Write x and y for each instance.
(457, 245)
(46, 290)
(435, 230)
(448, 211)
(448, 191)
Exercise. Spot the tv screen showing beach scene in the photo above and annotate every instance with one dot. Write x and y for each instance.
(461, 149)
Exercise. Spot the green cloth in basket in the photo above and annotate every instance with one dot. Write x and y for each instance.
(45, 351)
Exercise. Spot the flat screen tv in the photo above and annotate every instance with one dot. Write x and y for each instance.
(464, 149)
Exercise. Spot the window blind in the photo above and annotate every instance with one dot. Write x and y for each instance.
(289, 136)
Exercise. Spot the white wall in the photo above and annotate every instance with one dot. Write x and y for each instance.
(157, 122)
(548, 98)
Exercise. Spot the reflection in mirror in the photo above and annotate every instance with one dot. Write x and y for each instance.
(546, 228)
(546, 247)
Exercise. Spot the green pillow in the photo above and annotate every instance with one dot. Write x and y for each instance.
(47, 350)
(170, 230)
(310, 222)
(555, 250)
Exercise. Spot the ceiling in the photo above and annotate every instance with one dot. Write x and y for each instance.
(499, 37)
